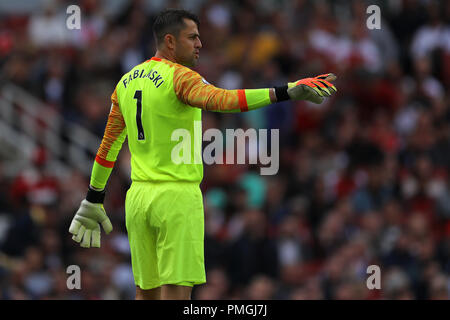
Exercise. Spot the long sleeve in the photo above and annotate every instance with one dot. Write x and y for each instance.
(113, 138)
(193, 90)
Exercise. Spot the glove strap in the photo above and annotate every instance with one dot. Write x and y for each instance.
(95, 196)
(281, 93)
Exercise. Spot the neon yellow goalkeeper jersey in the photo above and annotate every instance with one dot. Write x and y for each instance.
(156, 104)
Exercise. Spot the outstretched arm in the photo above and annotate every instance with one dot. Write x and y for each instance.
(193, 90)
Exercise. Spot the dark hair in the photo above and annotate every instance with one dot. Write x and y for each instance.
(171, 21)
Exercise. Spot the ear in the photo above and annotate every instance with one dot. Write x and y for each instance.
(169, 40)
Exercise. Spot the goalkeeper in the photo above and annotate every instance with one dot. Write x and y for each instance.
(164, 206)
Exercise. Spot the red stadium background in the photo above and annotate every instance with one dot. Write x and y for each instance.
(363, 178)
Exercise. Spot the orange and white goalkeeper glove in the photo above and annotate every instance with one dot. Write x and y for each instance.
(309, 89)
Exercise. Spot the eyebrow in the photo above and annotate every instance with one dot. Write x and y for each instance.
(193, 34)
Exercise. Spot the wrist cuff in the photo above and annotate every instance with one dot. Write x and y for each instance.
(95, 196)
(281, 93)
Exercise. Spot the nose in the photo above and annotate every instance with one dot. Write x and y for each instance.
(198, 44)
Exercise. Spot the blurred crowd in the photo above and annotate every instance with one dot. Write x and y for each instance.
(363, 177)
